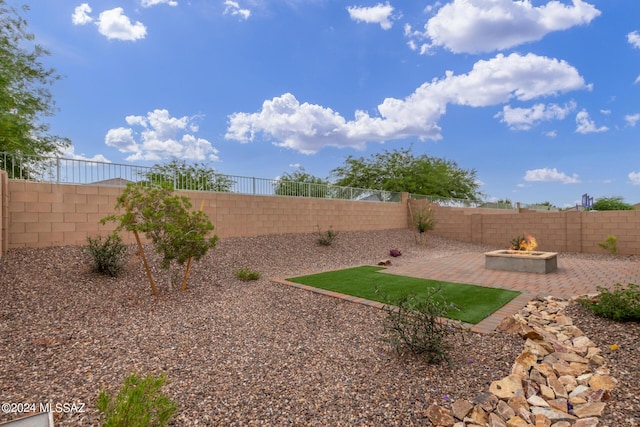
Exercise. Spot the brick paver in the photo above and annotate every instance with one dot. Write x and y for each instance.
(573, 277)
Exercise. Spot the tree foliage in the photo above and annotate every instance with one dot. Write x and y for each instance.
(615, 203)
(178, 175)
(302, 184)
(24, 95)
(401, 170)
(176, 233)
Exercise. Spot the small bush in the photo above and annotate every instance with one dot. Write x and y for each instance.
(416, 324)
(610, 244)
(109, 255)
(140, 403)
(623, 304)
(326, 238)
(245, 273)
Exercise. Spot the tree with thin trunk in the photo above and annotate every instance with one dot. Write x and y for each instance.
(177, 233)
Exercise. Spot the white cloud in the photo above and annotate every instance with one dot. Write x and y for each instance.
(551, 134)
(634, 178)
(378, 14)
(69, 153)
(81, 15)
(585, 125)
(308, 128)
(113, 24)
(161, 136)
(149, 3)
(526, 118)
(550, 175)
(637, 80)
(632, 119)
(474, 26)
(634, 39)
(233, 8)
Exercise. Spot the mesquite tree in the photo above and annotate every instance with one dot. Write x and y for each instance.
(177, 233)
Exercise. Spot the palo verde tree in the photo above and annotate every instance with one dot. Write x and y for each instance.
(615, 203)
(302, 184)
(401, 170)
(179, 175)
(24, 96)
(177, 233)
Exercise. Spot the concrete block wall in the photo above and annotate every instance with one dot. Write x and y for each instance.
(568, 231)
(45, 214)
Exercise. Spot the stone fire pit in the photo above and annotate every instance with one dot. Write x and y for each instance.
(523, 261)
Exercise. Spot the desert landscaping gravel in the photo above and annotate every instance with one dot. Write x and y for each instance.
(252, 352)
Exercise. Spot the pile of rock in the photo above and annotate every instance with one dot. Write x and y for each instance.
(559, 380)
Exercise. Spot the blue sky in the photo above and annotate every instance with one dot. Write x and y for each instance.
(541, 98)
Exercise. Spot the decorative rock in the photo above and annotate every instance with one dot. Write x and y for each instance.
(605, 382)
(587, 422)
(488, 401)
(518, 402)
(552, 414)
(537, 401)
(547, 392)
(523, 363)
(440, 416)
(559, 404)
(589, 410)
(460, 408)
(496, 421)
(561, 424)
(557, 387)
(598, 395)
(507, 387)
(477, 415)
(542, 421)
(517, 422)
(504, 410)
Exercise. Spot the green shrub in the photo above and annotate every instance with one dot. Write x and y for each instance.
(615, 203)
(109, 255)
(140, 403)
(326, 238)
(611, 244)
(623, 304)
(245, 273)
(418, 325)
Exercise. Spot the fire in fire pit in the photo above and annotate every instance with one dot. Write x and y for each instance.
(522, 257)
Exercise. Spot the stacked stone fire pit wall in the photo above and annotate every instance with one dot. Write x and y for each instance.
(559, 380)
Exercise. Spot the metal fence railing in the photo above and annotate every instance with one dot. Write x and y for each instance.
(75, 171)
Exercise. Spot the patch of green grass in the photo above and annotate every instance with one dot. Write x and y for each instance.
(472, 303)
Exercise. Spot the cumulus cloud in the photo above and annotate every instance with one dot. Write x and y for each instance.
(378, 14)
(585, 125)
(526, 118)
(632, 119)
(634, 39)
(474, 26)
(112, 23)
(550, 175)
(308, 127)
(161, 136)
(69, 153)
(81, 15)
(149, 3)
(634, 178)
(115, 25)
(233, 8)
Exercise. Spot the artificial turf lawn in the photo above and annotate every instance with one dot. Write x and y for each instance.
(473, 303)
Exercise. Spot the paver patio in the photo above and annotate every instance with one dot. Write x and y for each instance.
(573, 277)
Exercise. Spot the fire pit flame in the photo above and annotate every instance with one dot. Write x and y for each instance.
(526, 243)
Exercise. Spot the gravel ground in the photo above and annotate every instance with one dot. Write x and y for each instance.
(258, 353)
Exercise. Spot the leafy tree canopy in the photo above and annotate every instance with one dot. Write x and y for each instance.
(615, 203)
(24, 93)
(178, 175)
(401, 170)
(302, 184)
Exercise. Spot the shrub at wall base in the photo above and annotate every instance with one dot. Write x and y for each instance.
(177, 233)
